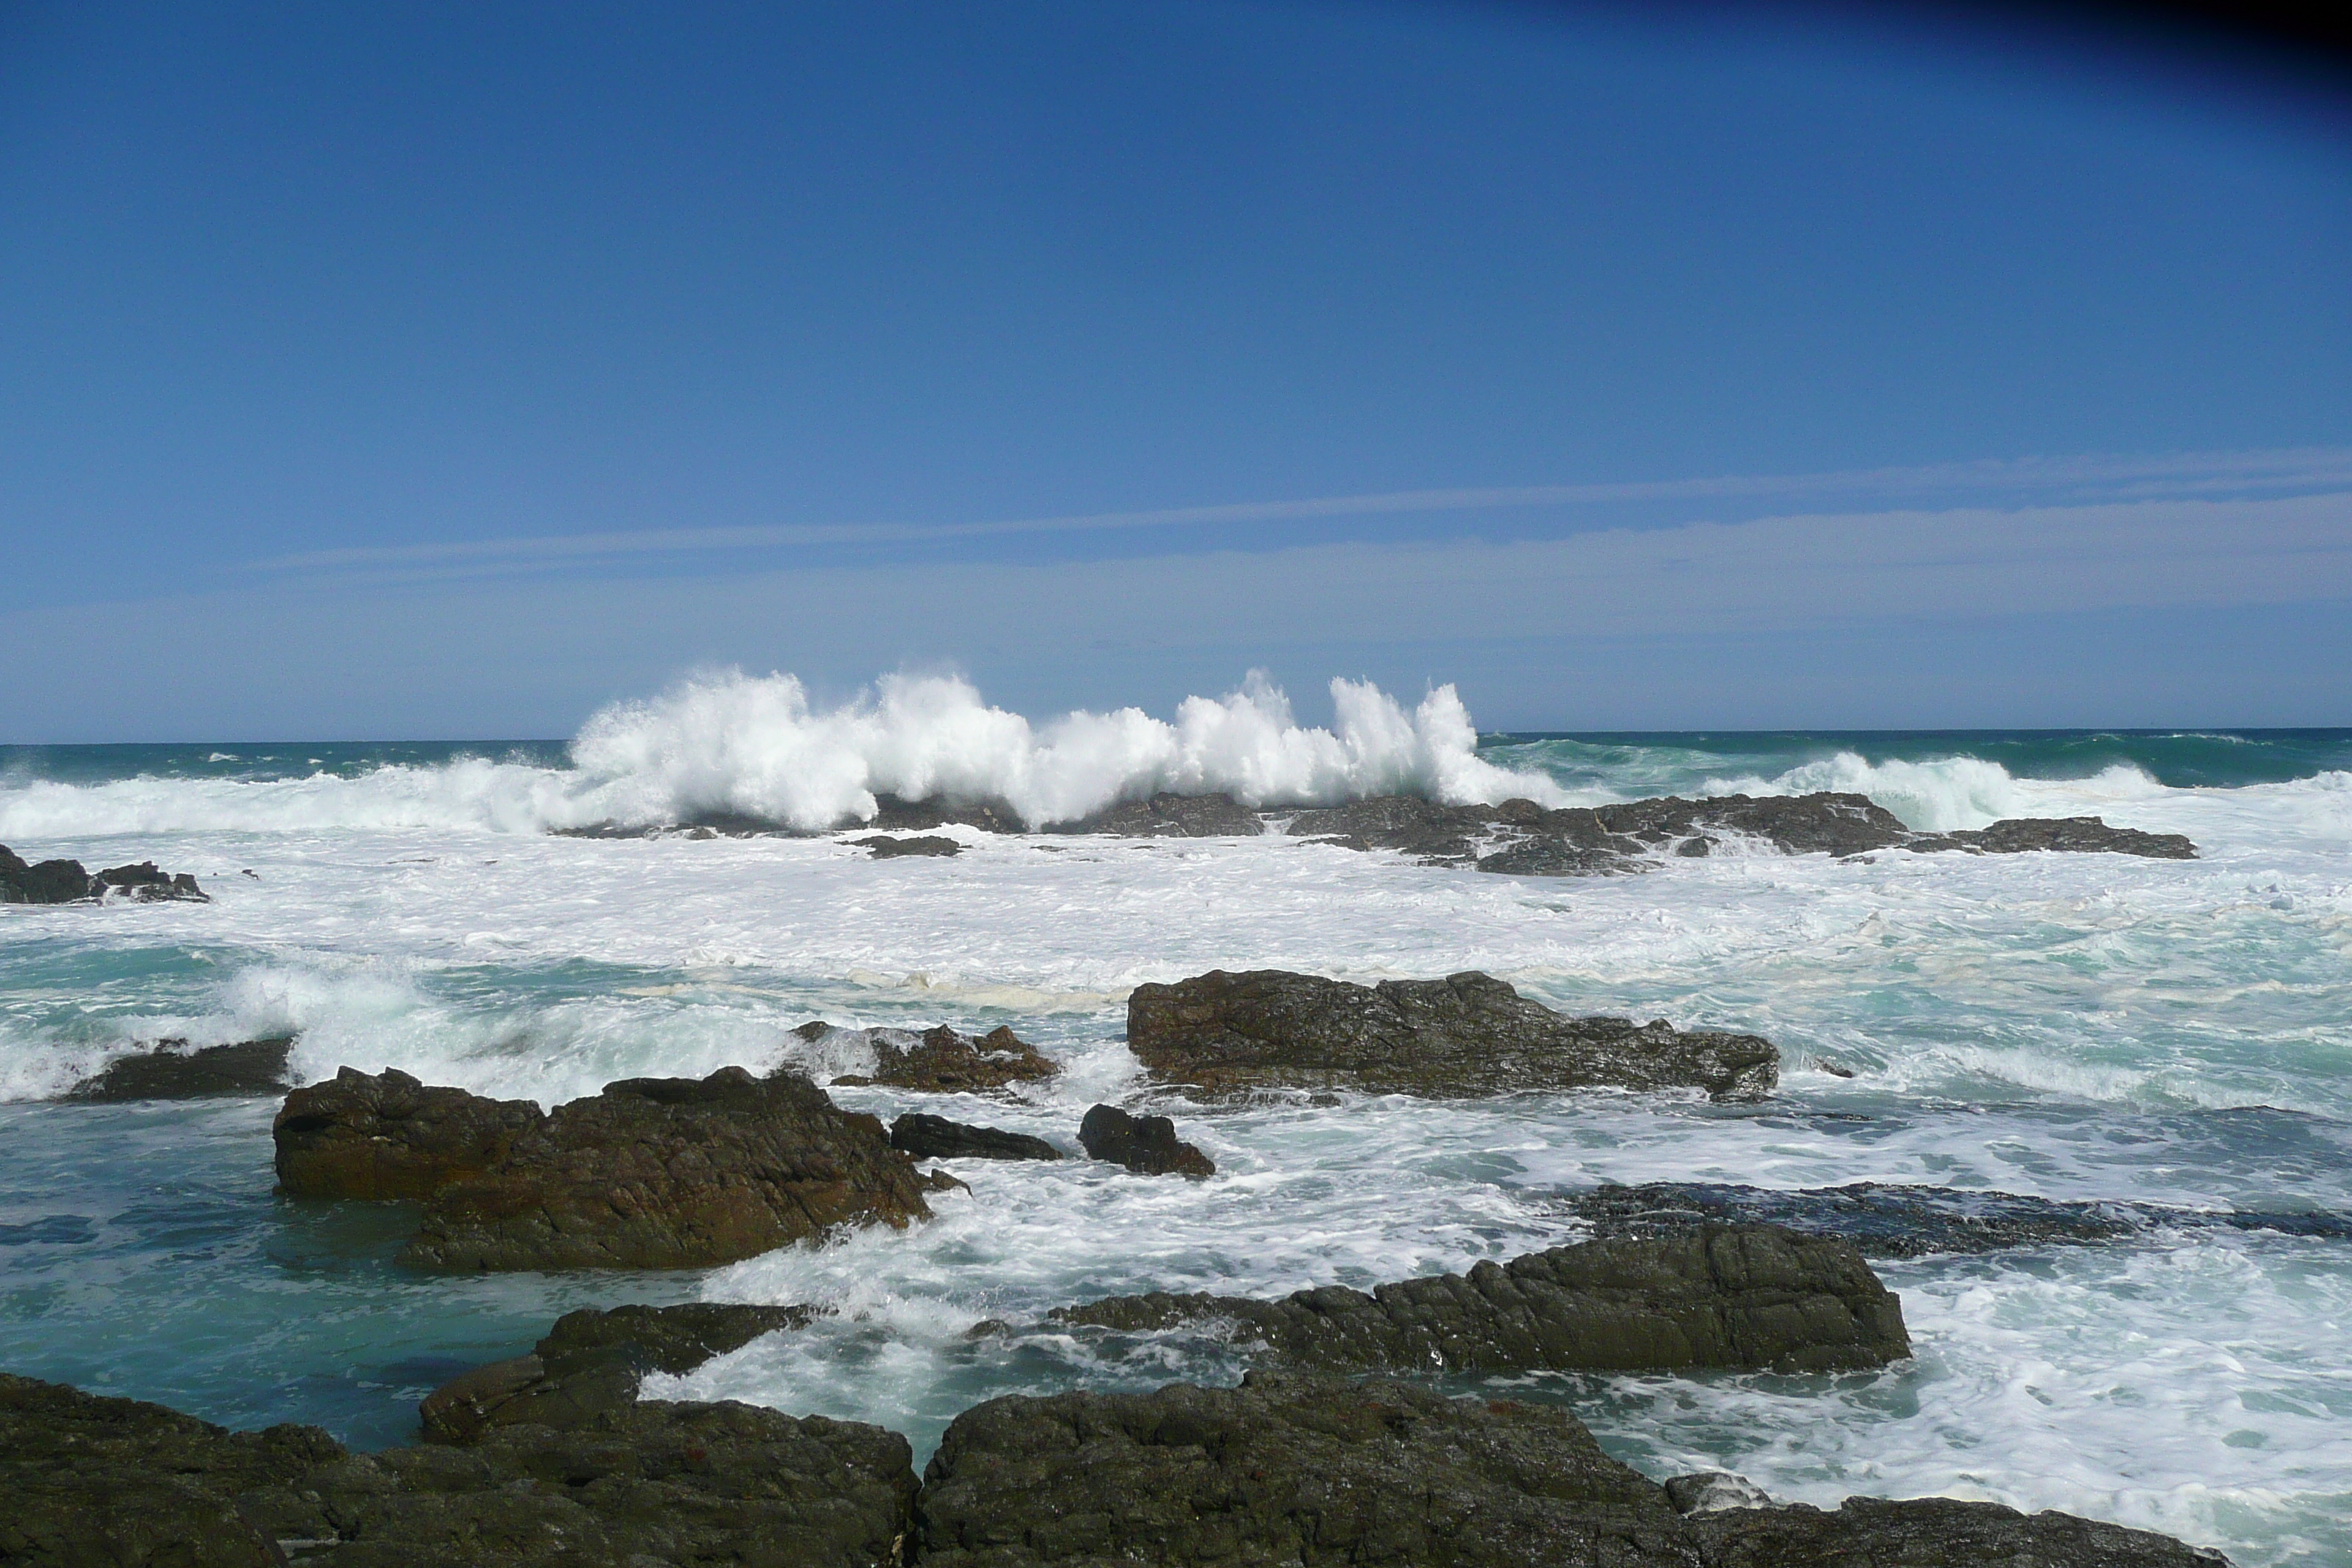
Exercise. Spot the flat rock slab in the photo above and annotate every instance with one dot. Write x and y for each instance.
(885, 847)
(941, 1059)
(386, 1135)
(171, 1072)
(672, 1173)
(1147, 1144)
(1931, 1533)
(1467, 1036)
(937, 1137)
(1732, 1297)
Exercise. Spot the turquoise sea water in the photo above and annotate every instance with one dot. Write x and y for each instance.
(2079, 1027)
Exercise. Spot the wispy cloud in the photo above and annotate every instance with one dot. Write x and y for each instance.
(2079, 479)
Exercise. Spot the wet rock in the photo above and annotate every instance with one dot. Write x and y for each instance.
(2062, 835)
(1748, 1297)
(884, 848)
(1711, 1491)
(144, 883)
(592, 1362)
(171, 1072)
(386, 1135)
(1466, 1035)
(1285, 1469)
(943, 1061)
(629, 1487)
(892, 814)
(86, 1479)
(1435, 833)
(48, 882)
(671, 1174)
(1169, 816)
(937, 1137)
(1144, 1143)
(1930, 1532)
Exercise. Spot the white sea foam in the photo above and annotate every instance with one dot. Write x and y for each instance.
(1950, 793)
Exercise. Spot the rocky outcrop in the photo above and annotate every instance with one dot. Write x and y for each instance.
(67, 882)
(1466, 1035)
(1749, 1296)
(884, 848)
(386, 1135)
(89, 1479)
(941, 1059)
(1169, 816)
(671, 1174)
(1285, 1469)
(170, 1070)
(894, 814)
(592, 1362)
(1521, 839)
(1144, 1143)
(1930, 1532)
(936, 1138)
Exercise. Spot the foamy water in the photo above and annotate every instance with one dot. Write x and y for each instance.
(2080, 1027)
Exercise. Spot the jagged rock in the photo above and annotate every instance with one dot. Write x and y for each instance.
(671, 1174)
(592, 1362)
(629, 1487)
(48, 882)
(892, 815)
(148, 885)
(1723, 1296)
(171, 1072)
(1417, 826)
(1711, 1491)
(386, 1135)
(944, 1060)
(885, 847)
(1930, 1532)
(1145, 1143)
(1466, 1035)
(1909, 1221)
(1169, 815)
(2065, 835)
(1285, 1469)
(937, 1137)
(86, 1479)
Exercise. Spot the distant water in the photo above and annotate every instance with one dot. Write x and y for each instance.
(2071, 1026)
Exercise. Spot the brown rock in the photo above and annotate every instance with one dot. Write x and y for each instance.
(945, 1061)
(386, 1135)
(1145, 1143)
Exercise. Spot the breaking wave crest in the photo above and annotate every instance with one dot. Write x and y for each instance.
(757, 745)
(1949, 793)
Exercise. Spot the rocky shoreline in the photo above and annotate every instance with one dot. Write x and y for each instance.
(69, 882)
(1516, 837)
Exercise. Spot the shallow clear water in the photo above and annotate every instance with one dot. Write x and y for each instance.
(2071, 1026)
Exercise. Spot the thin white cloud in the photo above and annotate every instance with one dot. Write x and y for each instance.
(2082, 478)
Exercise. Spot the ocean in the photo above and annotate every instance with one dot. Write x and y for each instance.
(2175, 1036)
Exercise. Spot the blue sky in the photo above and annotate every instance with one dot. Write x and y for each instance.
(449, 370)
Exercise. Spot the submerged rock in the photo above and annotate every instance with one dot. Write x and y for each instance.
(937, 1137)
(594, 1361)
(1468, 1035)
(671, 1174)
(1145, 1143)
(1748, 1297)
(171, 1072)
(884, 848)
(386, 1135)
(942, 1059)
(1285, 1469)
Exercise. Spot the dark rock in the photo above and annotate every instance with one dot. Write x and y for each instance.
(1145, 1143)
(1285, 1469)
(1930, 1532)
(146, 884)
(1907, 1221)
(888, 848)
(892, 815)
(1417, 826)
(386, 1135)
(171, 1072)
(671, 1174)
(1466, 1035)
(629, 1487)
(2065, 835)
(1168, 816)
(86, 1479)
(937, 1137)
(1723, 1296)
(592, 1362)
(945, 1061)
(48, 882)
(1711, 1491)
